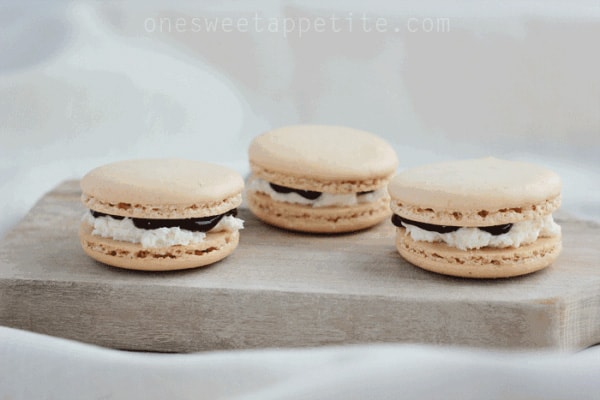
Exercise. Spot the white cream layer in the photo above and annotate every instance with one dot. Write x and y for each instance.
(124, 230)
(324, 200)
(520, 233)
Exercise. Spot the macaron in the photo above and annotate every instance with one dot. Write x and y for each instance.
(160, 214)
(319, 178)
(480, 218)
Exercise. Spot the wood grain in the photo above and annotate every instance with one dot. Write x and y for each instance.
(287, 289)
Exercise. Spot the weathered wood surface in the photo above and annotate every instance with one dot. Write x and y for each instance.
(287, 289)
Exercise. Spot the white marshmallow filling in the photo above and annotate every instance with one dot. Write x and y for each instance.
(500, 236)
(124, 229)
(313, 198)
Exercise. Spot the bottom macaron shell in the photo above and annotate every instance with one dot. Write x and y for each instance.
(481, 263)
(215, 247)
(303, 218)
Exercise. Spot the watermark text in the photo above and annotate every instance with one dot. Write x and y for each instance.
(296, 26)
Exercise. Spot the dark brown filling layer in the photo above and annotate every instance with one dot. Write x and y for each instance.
(307, 194)
(494, 230)
(203, 224)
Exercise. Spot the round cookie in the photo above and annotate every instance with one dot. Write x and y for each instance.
(482, 218)
(320, 179)
(160, 214)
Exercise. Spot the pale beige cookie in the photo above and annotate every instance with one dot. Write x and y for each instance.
(330, 160)
(318, 220)
(162, 188)
(482, 218)
(156, 214)
(481, 263)
(214, 248)
(485, 191)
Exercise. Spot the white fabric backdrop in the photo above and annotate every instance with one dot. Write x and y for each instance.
(84, 83)
(33, 366)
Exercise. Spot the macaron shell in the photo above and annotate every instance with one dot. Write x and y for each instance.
(487, 184)
(481, 263)
(318, 184)
(480, 216)
(162, 188)
(303, 218)
(215, 247)
(159, 211)
(323, 152)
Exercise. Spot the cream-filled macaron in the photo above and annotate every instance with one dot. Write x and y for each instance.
(320, 179)
(482, 218)
(160, 214)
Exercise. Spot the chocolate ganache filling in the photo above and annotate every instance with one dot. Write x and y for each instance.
(494, 230)
(202, 224)
(307, 194)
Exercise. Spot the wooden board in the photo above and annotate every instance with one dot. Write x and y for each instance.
(287, 289)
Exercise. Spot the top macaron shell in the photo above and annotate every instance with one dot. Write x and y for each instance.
(162, 188)
(323, 153)
(477, 187)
